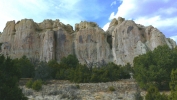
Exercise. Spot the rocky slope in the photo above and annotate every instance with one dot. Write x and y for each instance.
(50, 39)
(64, 90)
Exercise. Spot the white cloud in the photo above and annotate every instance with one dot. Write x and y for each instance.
(38, 10)
(167, 11)
(157, 21)
(17, 10)
(126, 7)
(105, 27)
(67, 11)
(112, 16)
(158, 13)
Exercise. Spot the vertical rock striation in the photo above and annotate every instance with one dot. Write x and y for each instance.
(90, 43)
(50, 39)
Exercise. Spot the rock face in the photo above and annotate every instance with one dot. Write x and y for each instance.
(50, 39)
(44, 41)
(90, 43)
(130, 40)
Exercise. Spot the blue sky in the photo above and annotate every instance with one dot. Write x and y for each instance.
(162, 14)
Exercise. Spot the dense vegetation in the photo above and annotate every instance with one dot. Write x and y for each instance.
(154, 68)
(173, 85)
(9, 77)
(154, 94)
(25, 66)
(70, 69)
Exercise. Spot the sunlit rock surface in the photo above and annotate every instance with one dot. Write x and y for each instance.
(51, 39)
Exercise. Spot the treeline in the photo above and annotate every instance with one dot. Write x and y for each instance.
(69, 68)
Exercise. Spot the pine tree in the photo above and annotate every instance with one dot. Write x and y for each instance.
(9, 77)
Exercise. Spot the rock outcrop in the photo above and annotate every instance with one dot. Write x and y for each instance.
(44, 41)
(130, 40)
(50, 39)
(90, 43)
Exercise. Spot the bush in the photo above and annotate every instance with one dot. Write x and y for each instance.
(111, 88)
(29, 84)
(37, 85)
(154, 94)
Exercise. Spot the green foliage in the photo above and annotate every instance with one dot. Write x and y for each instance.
(125, 71)
(65, 69)
(29, 84)
(111, 88)
(173, 85)
(78, 73)
(54, 66)
(42, 72)
(154, 67)
(26, 67)
(0, 44)
(68, 69)
(110, 72)
(138, 97)
(61, 74)
(154, 94)
(37, 85)
(9, 78)
(81, 74)
(104, 74)
(70, 61)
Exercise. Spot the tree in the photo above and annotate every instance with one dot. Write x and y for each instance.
(54, 66)
(26, 67)
(71, 61)
(81, 74)
(66, 67)
(42, 72)
(125, 71)
(9, 78)
(154, 67)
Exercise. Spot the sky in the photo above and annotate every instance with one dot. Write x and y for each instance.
(161, 14)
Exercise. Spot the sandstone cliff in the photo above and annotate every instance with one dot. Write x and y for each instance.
(50, 39)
